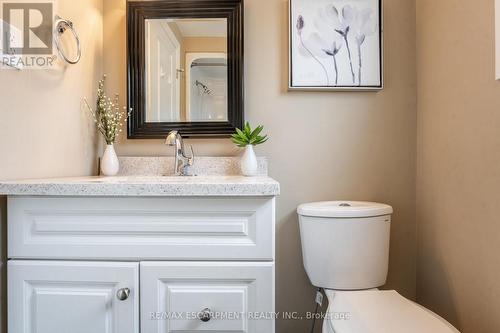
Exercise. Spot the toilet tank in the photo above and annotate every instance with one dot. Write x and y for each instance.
(345, 244)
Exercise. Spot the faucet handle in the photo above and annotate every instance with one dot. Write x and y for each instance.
(187, 168)
(190, 159)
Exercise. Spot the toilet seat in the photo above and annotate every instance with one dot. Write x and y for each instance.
(375, 311)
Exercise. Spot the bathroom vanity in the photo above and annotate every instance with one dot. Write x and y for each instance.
(141, 254)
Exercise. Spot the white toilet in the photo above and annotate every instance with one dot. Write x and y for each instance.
(345, 247)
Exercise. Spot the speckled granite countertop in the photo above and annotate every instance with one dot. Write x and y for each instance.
(144, 186)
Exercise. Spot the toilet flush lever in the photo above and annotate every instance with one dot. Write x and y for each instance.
(319, 298)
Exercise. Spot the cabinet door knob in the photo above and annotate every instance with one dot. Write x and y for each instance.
(122, 294)
(205, 315)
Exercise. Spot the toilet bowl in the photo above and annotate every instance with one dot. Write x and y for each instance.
(345, 248)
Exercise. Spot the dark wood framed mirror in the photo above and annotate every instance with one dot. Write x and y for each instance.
(185, 67)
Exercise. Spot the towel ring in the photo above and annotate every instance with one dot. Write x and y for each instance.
(61, 25)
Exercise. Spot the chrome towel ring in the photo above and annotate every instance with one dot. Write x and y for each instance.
(60, 26)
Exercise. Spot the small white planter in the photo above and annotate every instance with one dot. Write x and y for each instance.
(109, 162)
(249, 164)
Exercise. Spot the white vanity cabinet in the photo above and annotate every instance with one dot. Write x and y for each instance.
(80, 264)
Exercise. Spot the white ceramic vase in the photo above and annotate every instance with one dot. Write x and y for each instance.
(249, 164)
(109, 162)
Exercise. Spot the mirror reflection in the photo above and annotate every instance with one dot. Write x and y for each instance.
(186, 70)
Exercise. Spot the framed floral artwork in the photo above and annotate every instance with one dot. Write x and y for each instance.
(335, 45)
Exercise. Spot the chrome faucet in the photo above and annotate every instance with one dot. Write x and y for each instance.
(183, 163)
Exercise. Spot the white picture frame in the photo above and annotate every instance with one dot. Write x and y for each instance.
(326, 39)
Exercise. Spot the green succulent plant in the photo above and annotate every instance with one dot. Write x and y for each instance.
(248, 136)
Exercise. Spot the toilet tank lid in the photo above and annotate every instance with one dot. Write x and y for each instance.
(344, 209)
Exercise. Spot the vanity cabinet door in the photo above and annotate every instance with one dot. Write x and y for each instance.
(72, 297)
(207, 297)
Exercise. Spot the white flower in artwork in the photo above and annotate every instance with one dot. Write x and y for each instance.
(352, 24)
(332, 21)
(327, 47)
(364, 26)
(306, 50)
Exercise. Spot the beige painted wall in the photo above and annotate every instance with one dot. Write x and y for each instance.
(458, 164)
(43, 130)
(323, 145)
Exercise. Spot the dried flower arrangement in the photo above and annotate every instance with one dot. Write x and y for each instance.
(108, 115)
